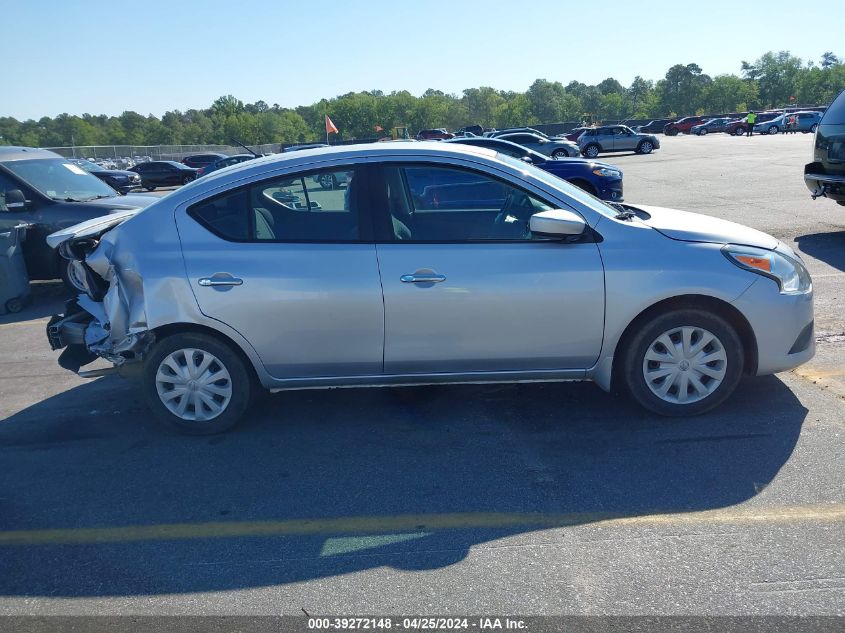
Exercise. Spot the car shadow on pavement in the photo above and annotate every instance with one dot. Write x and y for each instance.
(48, 298)
(321, 483)
(828, 247)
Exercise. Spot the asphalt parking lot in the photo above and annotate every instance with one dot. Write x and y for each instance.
(524, 499)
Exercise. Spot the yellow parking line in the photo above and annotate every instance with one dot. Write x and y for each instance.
(416, 522)
(17, 323)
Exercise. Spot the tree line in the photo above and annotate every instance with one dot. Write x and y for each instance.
(774, 80)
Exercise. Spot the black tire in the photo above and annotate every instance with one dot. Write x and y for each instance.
(702, 132)
(560, 153)
(645, 147)
(592, 150)
(187, 179)
(149, 187)
(740, 130)
(672, 131)
(773, 130)
(239, 375)
(813, 128)
(632, 358)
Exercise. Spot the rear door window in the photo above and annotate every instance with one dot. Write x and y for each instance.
(313, 207)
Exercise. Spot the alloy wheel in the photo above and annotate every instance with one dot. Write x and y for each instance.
(646, 147)
(193, 384)
(685, 365)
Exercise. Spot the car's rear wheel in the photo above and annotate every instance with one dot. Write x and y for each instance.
(560, 153)
(592, 150)
(196, 384)
(739, 131)
(645, 147)
(187, 179)
(149, 187)
(774, 129)
(682, 362)
(702, 132)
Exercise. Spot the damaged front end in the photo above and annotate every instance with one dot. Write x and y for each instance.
(109, 320)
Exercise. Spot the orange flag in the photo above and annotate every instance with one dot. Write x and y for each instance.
(330, 127)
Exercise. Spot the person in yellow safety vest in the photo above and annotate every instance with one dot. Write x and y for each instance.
(750, 120)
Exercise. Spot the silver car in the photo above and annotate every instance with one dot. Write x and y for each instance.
(615, 138)
(437, 263)
(554, 147)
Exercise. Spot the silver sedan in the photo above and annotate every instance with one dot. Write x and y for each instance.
(432, 263)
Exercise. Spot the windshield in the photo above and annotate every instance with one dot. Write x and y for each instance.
(87, 165)
(59, 179)
(559, 183)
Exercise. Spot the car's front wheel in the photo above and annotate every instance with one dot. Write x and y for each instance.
(813, 128)
(702, 132)
(739, 131)
(196, 384)
(73, 276)
(682, 362)
(645, 147)
(672, 131)
(592, 150)
(149, 187)
(560, 153)
(774, 129)
(327, 181)
(187, 179)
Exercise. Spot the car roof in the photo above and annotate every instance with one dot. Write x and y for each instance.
(9, 153)
(307, 158)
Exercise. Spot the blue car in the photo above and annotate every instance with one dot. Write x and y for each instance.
(806, 122)
(600, 179)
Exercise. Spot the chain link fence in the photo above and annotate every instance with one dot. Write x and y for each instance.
(154, 152)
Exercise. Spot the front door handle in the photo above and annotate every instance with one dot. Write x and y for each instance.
(220, 281)
(422, 278)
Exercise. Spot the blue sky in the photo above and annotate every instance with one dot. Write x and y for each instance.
(81, 57)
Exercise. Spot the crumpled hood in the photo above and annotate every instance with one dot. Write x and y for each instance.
(694, 227)
(91, 227)
(120, 203)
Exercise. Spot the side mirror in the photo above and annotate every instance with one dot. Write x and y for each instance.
(527, 159)
(556, 223)
(16, 200)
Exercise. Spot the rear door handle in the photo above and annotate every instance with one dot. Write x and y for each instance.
(220, 281)
(422, 278)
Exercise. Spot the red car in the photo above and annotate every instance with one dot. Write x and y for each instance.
(740, 127)
(683, 126)
(434, 135)
(574, 133)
